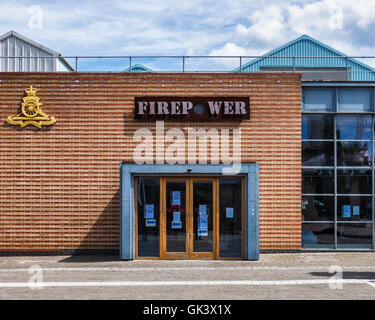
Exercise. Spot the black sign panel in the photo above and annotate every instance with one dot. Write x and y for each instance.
(192, 108)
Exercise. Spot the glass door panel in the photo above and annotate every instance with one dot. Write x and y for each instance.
(148, 196)
(203, 216)
(175, 215)
(230, 217)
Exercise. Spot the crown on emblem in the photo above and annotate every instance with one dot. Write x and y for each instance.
(31, 92)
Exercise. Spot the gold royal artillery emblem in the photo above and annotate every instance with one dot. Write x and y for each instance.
(31, 112)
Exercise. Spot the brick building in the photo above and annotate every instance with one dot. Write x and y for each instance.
(191, 165)
(61, 184)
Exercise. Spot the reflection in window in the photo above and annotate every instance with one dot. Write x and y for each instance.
(148, 197)
(230, 217)
(354, 235)
(317, 153)
(317, 126)
(354, 99)
(318, 99)
(354, 181)
(353, 127)
(352, 208)
(318, 181)
(175, 216)
(354, 153)
(318, 235)
(318, 208)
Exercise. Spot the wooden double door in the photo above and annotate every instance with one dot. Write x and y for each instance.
(189, 219)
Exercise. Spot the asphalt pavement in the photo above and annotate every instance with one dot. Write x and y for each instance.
(338, 275)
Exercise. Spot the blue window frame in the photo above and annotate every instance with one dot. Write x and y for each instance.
(338, 171)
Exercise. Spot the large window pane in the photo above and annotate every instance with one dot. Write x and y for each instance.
(318, 181)
(353, 127)
(317, 153)
(354, 99)
(317, 126)
(354, 153)
(203, 208)
(318, 99)
(352, 208)
(148, 198)
(318, 235)
(354, 181)
(354, 235)
(318, 208)
(176, 216)
(230, 217)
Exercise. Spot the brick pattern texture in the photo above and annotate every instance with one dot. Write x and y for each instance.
(60, 185)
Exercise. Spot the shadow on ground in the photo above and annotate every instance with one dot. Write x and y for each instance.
(90, 258)
(102, 241)
(360, 275)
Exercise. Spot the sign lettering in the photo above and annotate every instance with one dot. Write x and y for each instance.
(192, 108)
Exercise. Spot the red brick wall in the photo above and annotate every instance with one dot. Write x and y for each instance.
(60, 185)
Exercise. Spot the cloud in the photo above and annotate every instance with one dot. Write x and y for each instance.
(343, 24)
(199, 27)
(267, 25)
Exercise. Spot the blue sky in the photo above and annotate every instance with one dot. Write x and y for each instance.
(192, 27)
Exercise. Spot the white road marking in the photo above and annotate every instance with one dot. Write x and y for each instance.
(371, 283)
(271, 268)
(36, 261)
(182, 283)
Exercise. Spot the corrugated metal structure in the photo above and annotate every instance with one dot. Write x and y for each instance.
(137, 68)
(30, 56)
(310, 55)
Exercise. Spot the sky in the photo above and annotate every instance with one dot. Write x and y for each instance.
(188, 27)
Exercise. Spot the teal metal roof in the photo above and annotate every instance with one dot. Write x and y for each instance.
(137, 68)
(305, 50)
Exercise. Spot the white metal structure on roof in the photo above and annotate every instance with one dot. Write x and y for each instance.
(18, 53)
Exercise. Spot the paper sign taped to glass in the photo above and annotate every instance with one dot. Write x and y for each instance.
(149, 211)
(202, 209)
(176, 198)
(150, 222)
(176, 225)
(346, 211)
(229, 212)
(356, 210)
(203, 221)
(203, 225)
(202, 232)
(176, 216)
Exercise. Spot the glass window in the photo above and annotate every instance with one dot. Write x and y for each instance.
(354, 181)
(230, 217)
(148, 196)
(318, 208)
(354, 153)
(317, 153)
(318, 99)
(318, 181)
(352, 208)
(354, 99)
(354, 235)
(176, 212)
(203, 208)
(317, 126)
(318, 235)
(353, 127)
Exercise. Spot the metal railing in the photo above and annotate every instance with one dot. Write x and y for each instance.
(188, 63)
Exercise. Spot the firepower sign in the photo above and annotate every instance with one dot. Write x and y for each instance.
(192, 108)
